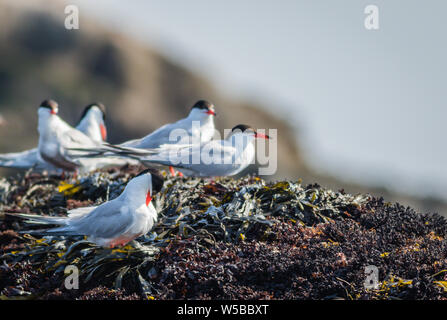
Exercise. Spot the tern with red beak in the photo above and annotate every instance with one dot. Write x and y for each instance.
(113, 223)
(211, 159)
(57, 139)
(56, 136)
(201, 112)
(197, 127)
(91, 124)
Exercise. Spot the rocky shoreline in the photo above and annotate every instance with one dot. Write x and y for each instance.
(224, 239)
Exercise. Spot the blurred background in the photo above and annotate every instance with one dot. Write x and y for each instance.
(357, 109)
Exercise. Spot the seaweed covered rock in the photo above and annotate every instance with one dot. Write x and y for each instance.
(223, 239)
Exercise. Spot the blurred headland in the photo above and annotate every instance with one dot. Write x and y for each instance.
(141, 89)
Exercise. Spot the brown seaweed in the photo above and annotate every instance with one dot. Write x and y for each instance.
(223, 239)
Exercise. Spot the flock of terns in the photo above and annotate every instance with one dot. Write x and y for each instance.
(84, 148)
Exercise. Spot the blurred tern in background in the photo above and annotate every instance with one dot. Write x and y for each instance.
(57, 140)
(91, 124)
(215, 158)
(202, 111)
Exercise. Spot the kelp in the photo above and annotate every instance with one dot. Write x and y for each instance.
(204, 229)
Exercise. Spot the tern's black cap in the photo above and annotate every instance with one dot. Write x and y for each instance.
(157, 179)
(49, 103)
(243, 128)
(96, 104)
(203, 104)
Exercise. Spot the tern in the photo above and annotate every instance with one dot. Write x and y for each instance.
(57, 139)
(202, 112)
(92, 123)
(198, 127)
(113, 223)
(210, 159)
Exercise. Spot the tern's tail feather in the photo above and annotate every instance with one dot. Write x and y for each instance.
(108, 149)
(62, 231)
(22, 160)
(39, 219)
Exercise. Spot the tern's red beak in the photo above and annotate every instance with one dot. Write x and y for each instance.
(103, 132)
(261, 135)
(211, 112)
(148, 198)
(53, 111)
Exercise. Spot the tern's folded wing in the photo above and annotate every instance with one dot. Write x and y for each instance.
(74, 138)
(215, 152)
(108, 220)
(171, 133)
(80, 212)
(72, 141)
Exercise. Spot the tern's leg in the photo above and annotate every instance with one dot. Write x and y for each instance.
(121, 241)
(172, 171)
(118, 242)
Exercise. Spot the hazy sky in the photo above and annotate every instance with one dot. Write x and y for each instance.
(371, 104)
